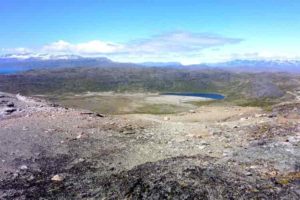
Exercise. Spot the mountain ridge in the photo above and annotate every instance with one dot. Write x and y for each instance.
(39, 61)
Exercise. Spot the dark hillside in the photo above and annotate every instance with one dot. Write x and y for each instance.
(58, 81)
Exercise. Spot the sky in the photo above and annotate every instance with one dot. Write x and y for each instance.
(186, 31)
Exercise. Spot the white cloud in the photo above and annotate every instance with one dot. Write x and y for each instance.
(91, 47)
(179, 42)
(59, 46)
(98, 47)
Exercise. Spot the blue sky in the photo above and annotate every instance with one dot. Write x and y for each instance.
(188, 31)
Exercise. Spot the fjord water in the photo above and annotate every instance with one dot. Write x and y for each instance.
(11, 70)
(192, 94)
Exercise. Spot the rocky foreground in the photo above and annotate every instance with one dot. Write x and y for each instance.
(214, 152)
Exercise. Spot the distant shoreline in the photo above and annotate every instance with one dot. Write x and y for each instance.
(214, 96)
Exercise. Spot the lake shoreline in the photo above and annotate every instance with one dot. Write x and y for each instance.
(214, 96)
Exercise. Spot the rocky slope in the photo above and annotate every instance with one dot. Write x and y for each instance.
(214, 152)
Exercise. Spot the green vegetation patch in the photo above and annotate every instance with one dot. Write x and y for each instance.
(160, 109)
(205, 103)
(266, 104)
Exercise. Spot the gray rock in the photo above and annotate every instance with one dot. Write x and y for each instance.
(57, 178)
(272, 115)
(9, 110)
(23, 167)
(10, 104)
(248, 174)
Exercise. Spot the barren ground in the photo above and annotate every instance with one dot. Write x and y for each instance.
(211, 152)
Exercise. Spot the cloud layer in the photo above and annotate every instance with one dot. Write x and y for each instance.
(181, 46)
(179, 42)
(166, 46)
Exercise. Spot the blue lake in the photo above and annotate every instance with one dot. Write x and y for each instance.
(192, 94)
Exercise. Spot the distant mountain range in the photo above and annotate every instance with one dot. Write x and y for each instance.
(15, 63)
(20, 62)
(162, 64)
(261, 65)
